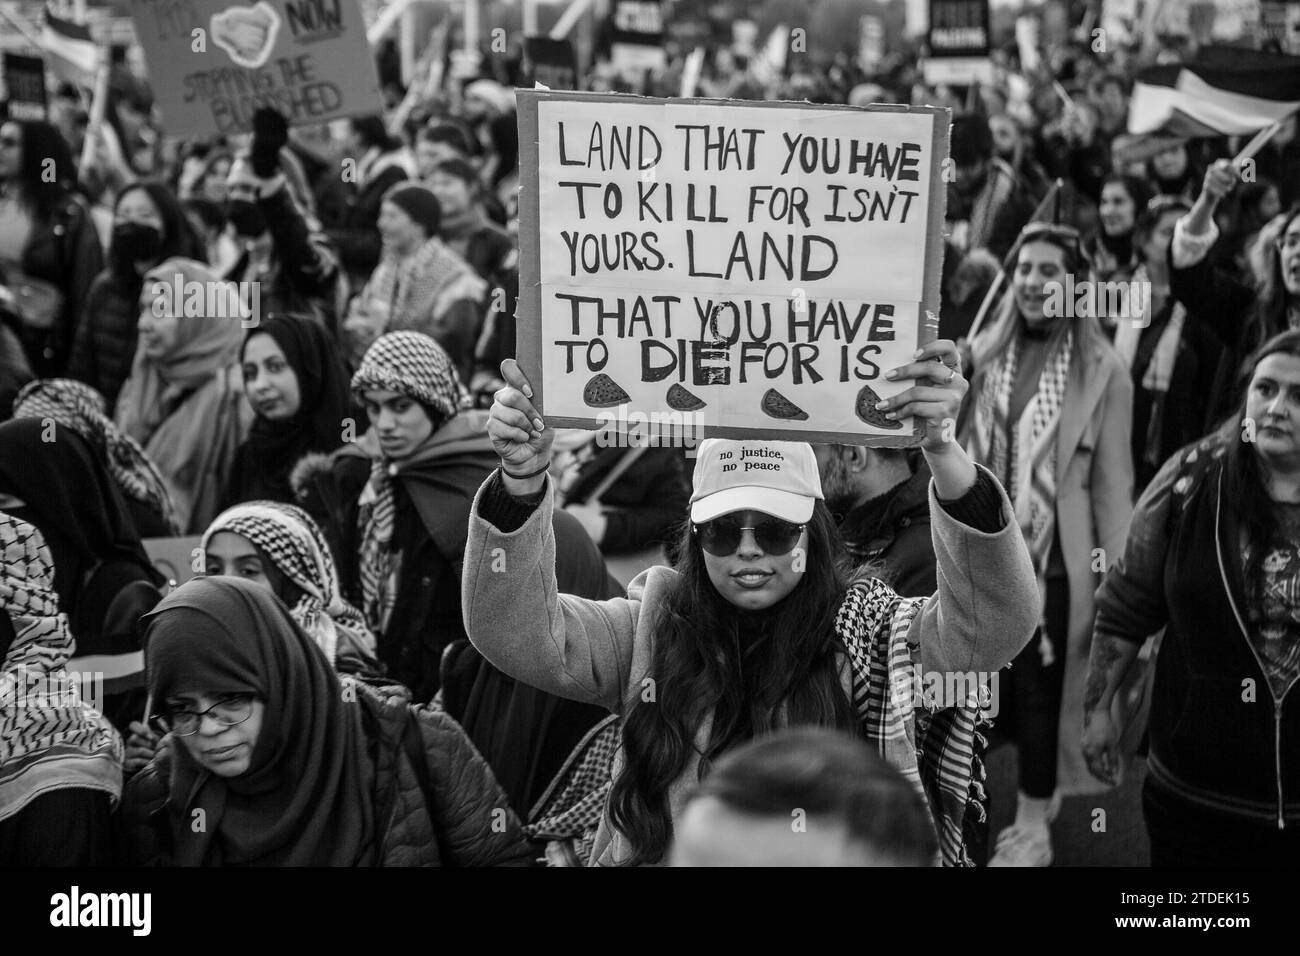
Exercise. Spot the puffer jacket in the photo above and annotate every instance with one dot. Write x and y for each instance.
(461, 819)
(106, 337)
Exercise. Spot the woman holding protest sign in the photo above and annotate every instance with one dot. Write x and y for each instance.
(755, 628)
(1050, 418)
(1213, 560)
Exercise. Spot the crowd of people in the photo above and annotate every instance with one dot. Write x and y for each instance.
(427, 628)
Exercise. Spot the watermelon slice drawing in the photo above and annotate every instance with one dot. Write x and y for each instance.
(777, 405)
(681, 400)
(867, 411)
(603, 392)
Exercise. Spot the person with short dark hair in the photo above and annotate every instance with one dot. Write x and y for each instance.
(880, 498)
(804, 797)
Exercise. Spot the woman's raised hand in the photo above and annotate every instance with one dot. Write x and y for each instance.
(936, 396)
(519, 435)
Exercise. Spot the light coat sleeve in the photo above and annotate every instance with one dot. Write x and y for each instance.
(987, 604)
(564, 645)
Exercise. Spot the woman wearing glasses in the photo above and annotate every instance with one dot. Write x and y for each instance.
(286, 764)
(1050, 417)
(1242, 315)
(755, 628)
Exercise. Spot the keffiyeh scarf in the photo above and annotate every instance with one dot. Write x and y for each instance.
(414, 365)
(292, 540)
(50, 739)
(76, 405)
(1024, 460)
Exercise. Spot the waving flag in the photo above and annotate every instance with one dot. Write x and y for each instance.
(1222, 92)
(70, 46)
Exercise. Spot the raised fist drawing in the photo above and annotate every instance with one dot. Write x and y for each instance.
(247, 33)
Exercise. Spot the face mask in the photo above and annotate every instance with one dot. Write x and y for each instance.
(136, 242)
(247, 217)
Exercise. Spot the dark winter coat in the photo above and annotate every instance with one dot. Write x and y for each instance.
(458, 817)
(65, 251)
(106, 337)
(892, 533)
(1230, 751)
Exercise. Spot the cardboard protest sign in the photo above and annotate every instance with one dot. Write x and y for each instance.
(25, 86)
(959, 43)
(552, 63)
(213, 63)
(757, 266)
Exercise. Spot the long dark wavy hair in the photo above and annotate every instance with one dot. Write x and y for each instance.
(753, 671)
(1244, 489)
(38, 190)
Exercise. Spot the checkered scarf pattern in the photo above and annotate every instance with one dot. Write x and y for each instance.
(75, 405)
(414, 365)
(1026, 466)
(572, 806)
(937, 749)
(293, 541)
(49, 737)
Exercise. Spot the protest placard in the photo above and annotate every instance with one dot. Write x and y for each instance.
(755, 266)
(958, 41)
(213, 63)
(24, 86)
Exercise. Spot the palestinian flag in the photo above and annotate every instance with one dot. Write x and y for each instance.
(71, 49)
(1222, 92)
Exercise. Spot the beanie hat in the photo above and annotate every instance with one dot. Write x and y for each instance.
(418, 203)
(414, 365)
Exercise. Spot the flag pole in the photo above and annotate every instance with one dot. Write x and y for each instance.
(98, 103)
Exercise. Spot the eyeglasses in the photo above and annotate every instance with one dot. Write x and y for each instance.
(227, 712)
(721, 537)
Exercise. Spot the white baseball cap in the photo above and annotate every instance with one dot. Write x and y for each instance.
(779, 478)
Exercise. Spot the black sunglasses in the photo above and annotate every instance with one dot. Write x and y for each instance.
(721, 537)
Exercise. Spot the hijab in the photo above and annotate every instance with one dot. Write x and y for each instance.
(69, 496)
(205, 345)
(187, 408)
(274, 447)
(413, 365)
(54, 740)
(306, 798)
(77, 406)
(294, 544)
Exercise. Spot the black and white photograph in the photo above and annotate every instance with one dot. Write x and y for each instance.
(648, 433)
